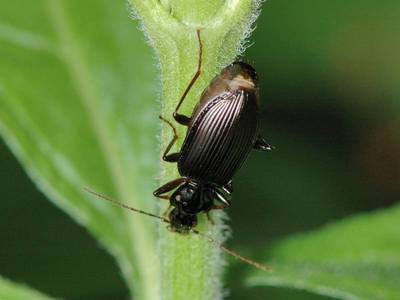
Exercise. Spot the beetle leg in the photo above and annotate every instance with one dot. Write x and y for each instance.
(228, 187)
(169, 186)
(182, 119)
(223, 199)
(261, 144)
(173, 157)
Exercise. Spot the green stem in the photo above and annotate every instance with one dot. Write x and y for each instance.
(192, 267)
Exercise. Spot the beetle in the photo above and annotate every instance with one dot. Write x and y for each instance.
(223, 128)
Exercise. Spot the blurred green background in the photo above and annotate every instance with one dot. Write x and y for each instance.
(329, 83)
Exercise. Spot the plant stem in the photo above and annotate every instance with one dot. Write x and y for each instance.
(191, 267)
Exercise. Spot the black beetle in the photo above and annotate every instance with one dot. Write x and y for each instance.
(222, 130)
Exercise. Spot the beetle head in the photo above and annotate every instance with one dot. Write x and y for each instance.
(187, 198)
(182, 222)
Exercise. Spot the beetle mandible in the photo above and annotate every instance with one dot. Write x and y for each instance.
(221, 131)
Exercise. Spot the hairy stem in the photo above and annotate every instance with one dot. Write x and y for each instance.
(191, 266)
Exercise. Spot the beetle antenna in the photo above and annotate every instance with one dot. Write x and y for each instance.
(116, 203)
(233, 253)
(195, 231)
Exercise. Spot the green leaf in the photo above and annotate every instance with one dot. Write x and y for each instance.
(12, 291)
(77, 107)
(357, 258)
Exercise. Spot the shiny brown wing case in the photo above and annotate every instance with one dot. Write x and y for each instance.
(220, 137)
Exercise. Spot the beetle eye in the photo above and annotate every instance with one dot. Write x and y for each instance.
(178, 198)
